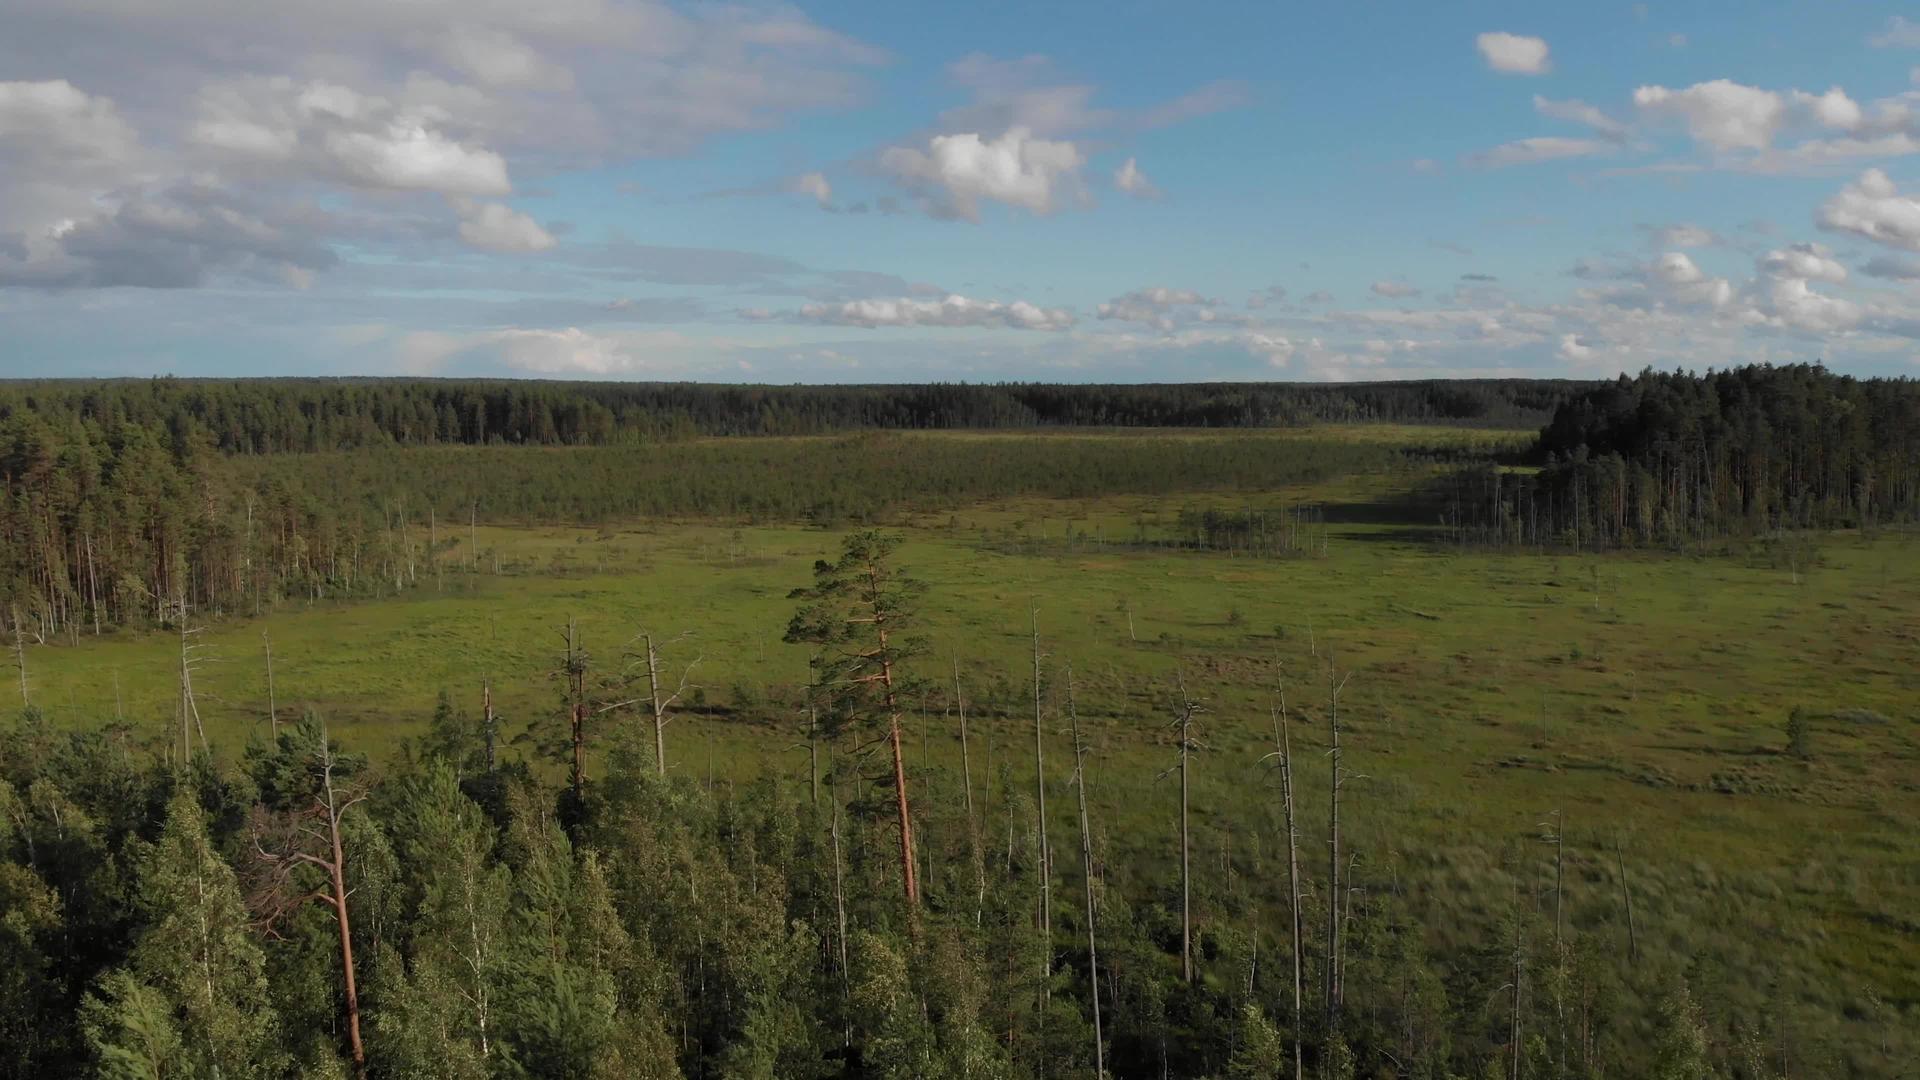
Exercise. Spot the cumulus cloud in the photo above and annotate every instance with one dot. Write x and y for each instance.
(1807, 262)
(1130, 179)
(497, 227)
(169, 239)
(956, 172)
(1874, 208)
(1786, 296)
(1159, 307)
(952, 311)
(346, 106)
(1513, 54)
(1724, 115)
(1538, 149)
(1677, 277)
(814, 186)
(1392, 289)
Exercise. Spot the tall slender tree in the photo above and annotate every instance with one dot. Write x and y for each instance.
(857, 615)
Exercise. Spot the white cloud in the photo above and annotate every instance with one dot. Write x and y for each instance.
(1723, 114)
(1833, 109)
(813, 185)
(1579, 112)
(1130, 179)
(1538, 149)
(1573, 350)
(496, 227)
(1393, 289)
(952, 311)
(1874, 208)
(956, 172)
(1676, 277)
(407, 156)
(1514, 54)
(1807, 262)
(55, 119)
(1158, 306)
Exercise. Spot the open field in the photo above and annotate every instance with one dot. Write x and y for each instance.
(1644, 696)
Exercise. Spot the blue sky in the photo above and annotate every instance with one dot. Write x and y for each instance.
(881, 192)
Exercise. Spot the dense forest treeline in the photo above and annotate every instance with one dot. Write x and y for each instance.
(132, 529)
(450, 914)
(268, 416)
(125, 502)
(1665, 458)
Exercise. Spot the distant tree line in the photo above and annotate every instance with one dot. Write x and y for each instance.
(269, 416)
(132, 525)
(1673, 459)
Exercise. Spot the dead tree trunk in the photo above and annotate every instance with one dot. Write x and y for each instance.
(973, 824)
(1333, 988)
(662, 705)
(910, 877)
(273, 711)
(840, 914)
(486, 710)
(312, 838)
(20, 657)
(189, 709)
(1185, 724)
(576, 676)
(1283, 748)
(1040, 800)
(1086, 867)
(1626, 895)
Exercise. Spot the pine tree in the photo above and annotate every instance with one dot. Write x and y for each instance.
(195, 962)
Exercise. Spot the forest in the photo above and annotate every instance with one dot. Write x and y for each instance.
(1674, 459)
(267, 416)
(302, 910)
(1449, 731)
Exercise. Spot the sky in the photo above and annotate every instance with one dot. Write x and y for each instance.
(884, 192)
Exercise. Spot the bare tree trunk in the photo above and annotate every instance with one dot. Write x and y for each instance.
(1284, 748)
(1040, 799)
(973, 824)
(1086, 866)
(659, 709)
(840, 915)
(189, 709)
(910, 877)
(1187, 710)
(337, 873)
(20, 656)
(813, 752)
(486, 709)
(273, 710)
(1626, 894)
(1333, 848)
(576, 711)
(1559, 875)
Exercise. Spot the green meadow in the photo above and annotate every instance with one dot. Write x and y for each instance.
(1641, 699)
